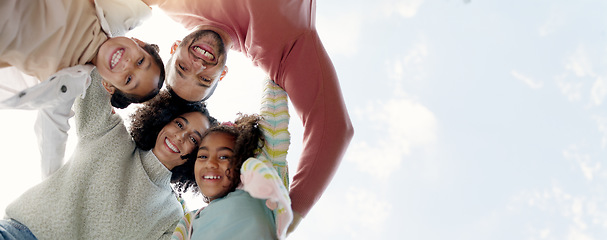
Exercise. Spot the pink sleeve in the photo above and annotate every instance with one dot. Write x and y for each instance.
(309, 78)
(263, 182)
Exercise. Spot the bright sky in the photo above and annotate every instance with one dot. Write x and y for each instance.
(473, 119)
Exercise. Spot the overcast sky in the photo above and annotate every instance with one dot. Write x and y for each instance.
(473, 119)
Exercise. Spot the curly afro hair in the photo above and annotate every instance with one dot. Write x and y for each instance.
(148, 120)
(248, 140)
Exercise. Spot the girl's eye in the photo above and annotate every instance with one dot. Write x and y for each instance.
(140, 61)
(202, 157)
(128, 79)
(224, 158)
(182, 68)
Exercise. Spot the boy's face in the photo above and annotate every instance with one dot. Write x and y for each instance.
(197, 65)
(179, 137)
(214, 155)
(125, 65)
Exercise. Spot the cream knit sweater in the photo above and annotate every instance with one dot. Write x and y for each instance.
(108, 190)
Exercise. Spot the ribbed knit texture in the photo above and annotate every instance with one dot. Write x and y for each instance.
(108, 190)
(275, 125)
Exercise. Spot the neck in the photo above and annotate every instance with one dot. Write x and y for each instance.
(165, 164)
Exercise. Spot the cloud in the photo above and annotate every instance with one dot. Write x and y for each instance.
(411, 67)
(527, 80)
(553, 22)
(572, 90)
(402, 125)
(602, 127)
(404, 8)
(598, 91)
(579, 63)
(340, 32)
(371, 212)
(354, 213)
(588, 168)
(572, 213)
(576, 234)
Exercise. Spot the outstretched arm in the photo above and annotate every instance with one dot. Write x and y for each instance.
(53, 99)
(311, 82)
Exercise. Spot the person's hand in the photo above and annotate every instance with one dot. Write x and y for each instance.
(296, 219)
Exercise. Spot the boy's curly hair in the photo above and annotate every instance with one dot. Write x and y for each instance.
(122, 100)
(248, 140)
(149, 119)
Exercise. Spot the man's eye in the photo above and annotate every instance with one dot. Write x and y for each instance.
(182, 68)
(194, 140)
(179, 124)
(128, 79)
(140, 61)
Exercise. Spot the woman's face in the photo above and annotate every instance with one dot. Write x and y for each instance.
(125, 65)
(180, 137)
(214, 155)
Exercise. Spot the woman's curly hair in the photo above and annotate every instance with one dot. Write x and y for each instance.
(148, 120)
(248, 140)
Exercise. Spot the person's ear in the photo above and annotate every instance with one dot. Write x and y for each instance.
(139, 42)
(108, 87)
(223, 73)
(175, 45)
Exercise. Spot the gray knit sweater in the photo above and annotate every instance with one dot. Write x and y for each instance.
(108, 190)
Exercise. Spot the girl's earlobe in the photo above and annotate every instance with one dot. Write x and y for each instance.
(108, 87)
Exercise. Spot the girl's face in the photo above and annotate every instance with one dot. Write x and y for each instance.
(214, 155)
(125, 65)
(179, 137)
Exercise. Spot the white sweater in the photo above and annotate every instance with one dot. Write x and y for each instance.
(108, 190)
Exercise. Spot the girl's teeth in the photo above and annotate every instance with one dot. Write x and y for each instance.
(211, 177)
(116, 58)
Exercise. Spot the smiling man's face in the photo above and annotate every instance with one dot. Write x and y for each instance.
(197, 65)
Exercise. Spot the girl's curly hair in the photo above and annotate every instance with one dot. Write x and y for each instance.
(248, 140)
(149, 119)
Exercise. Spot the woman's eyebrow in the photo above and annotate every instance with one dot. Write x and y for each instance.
(184, 119)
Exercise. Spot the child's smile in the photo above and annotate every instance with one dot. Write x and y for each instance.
(126, 66)
(116, 57)
(213, 163)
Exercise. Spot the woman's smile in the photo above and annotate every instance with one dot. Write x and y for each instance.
(171, 146)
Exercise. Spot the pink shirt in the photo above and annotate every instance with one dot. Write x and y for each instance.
(280, 37)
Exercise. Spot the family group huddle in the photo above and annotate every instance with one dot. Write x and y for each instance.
(124, 183)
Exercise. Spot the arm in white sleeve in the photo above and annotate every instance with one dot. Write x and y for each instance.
(117, 17)
(53, 98)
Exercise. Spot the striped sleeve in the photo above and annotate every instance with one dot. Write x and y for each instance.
(275, 123)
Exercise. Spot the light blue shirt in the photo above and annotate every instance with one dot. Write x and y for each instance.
(235, 216)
